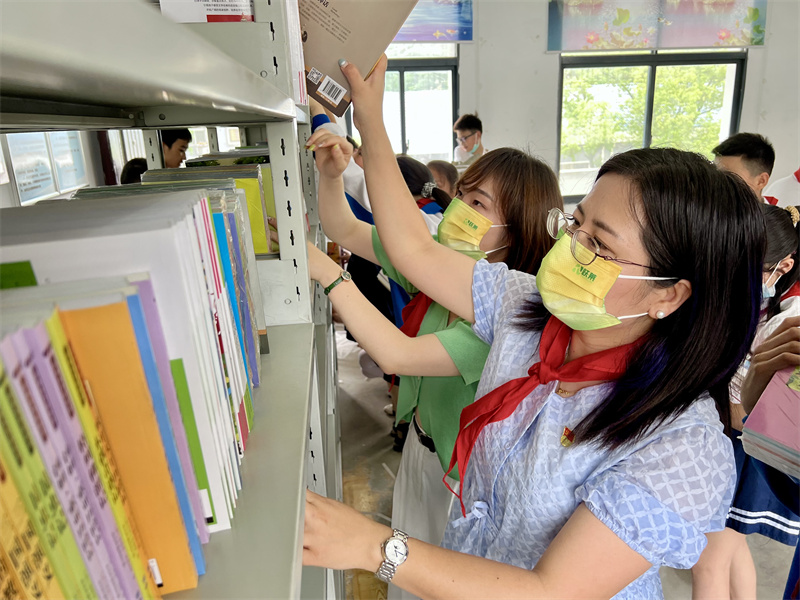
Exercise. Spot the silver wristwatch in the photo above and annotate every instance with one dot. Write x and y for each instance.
(395, 553)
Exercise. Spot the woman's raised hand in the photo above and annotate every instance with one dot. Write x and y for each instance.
(367, 95)
(333, 152)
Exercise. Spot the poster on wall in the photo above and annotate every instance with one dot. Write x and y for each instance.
(575, 25)
(438, 21)
(31, 163)
(68, 160)
(208, 11)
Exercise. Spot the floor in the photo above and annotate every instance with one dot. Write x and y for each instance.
(369, 465)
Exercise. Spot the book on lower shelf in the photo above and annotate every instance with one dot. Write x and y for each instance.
(772, 430)
(129, 361)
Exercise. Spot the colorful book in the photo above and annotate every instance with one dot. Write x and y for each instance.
(159, 405)
(10, 585)
(97, 444)
(28, 473)
(60, 464)
(24, 551)
(104, 345)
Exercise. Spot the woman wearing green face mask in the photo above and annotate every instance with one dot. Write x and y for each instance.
(500, 215)
(594, 453)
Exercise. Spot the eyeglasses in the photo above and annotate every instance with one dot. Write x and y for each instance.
(585, 249)
(461, 140)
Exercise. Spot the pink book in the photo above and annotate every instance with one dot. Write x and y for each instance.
(774, 424)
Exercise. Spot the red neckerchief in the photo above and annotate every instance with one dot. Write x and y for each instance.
(423, 202)
(792, 291)
(797, 175)
(500, 403)
(771, 200)
(413, 313)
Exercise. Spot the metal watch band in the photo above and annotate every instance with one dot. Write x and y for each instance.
(388, 568)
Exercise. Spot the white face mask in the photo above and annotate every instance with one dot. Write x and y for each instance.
(768, 292)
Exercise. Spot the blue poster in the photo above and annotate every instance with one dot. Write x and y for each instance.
(438, 21)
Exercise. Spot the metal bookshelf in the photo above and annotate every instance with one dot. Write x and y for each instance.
(112, 64)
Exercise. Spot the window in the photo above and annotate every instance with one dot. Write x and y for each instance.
(612, 102)
(420, 100)
(46, 165)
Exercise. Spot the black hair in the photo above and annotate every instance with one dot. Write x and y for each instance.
(468, 121)
(133, 170)
(782, 240)
(700, 224)
(755, 150)
(416, 176)
(170, 136)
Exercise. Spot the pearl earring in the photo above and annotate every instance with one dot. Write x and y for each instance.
(660, 314)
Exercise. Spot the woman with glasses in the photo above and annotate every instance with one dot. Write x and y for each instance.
(506, 194)
(594, 453)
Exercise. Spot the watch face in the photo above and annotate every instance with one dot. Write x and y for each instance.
(346, 275)
(396, 551)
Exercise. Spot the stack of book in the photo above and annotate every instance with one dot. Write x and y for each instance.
(254, 180)
(772, 431)
(128, 354)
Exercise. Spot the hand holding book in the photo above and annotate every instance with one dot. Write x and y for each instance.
(779, 351)
(367, 95)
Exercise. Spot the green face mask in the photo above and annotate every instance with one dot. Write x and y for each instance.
(462, 229)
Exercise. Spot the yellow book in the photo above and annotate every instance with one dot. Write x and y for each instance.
(103, 343)
(10, 584)
(26, 469)
(24, 554)
(100, 449)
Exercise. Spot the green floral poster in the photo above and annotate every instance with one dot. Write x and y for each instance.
(576, 25)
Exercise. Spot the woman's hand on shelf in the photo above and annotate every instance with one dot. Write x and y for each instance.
(333, 153)
(338, 537)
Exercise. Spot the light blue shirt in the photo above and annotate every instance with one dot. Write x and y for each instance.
(660, 495)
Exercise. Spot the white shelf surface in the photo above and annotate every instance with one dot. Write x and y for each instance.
(261, 555)
(120, 63)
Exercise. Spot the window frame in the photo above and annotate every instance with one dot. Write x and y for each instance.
(653, 59)
(404, 65)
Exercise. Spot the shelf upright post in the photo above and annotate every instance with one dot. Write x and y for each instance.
(152, 145)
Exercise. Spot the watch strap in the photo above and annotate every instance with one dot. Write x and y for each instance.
(388, 568)
(344, 276)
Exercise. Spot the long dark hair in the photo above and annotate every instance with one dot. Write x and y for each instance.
(416, 175)
(703, 225)
(782, 240)
(525, 189)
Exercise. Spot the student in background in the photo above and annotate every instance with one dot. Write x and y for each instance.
(595, 452)
(445, 175)
(174, 144)
(133, 170)
(784, 191)
(469, 135)
(726, 568)
(750, 156)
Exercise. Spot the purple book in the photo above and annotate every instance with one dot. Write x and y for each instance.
(244, 305)
(61, 462)
(159, 344)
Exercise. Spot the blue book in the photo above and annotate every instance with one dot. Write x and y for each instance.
(244, 305)
(230, 285)
(165, 428)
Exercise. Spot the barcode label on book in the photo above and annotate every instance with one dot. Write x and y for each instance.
(331, 90)
(155, 572)
(314, 76)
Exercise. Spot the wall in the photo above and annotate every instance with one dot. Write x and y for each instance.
(513, 84)
(772, 92)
